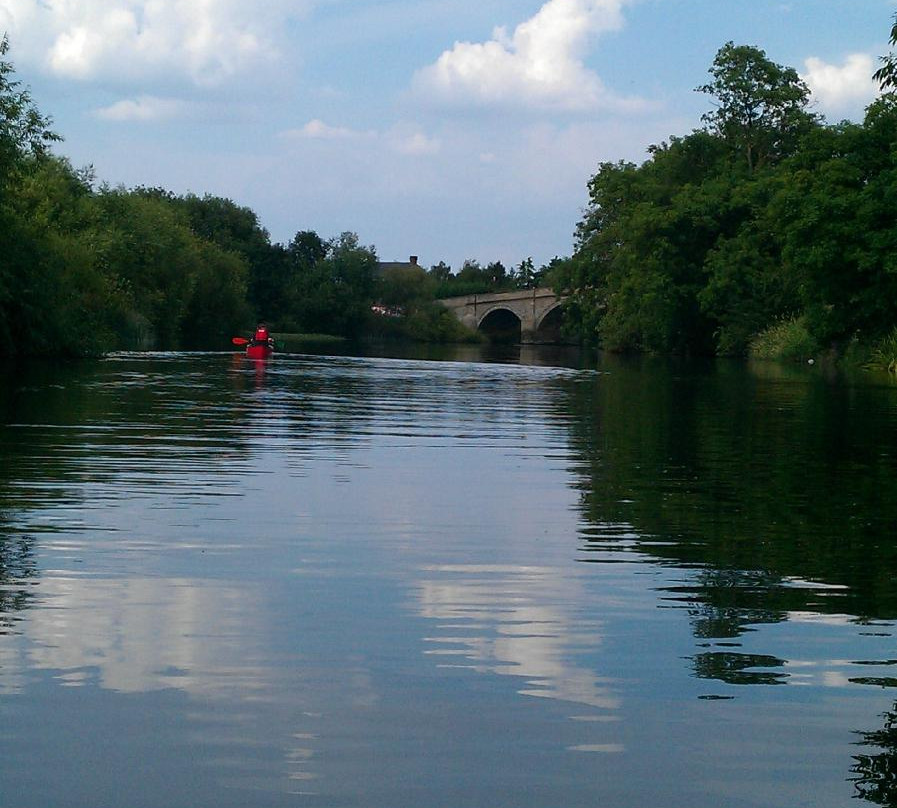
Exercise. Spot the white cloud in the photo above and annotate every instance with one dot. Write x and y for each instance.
(143, 108)
(841, 88)
(539, 65)
(318, 130)
(205, 41)
(402, 139)
(413, 143)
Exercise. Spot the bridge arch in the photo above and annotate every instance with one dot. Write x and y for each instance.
(501, 324)
(548, 326)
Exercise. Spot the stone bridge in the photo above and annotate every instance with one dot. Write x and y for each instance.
(526, 316)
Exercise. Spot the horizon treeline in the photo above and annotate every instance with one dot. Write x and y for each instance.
(767, 231)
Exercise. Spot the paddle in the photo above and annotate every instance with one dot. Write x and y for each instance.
(240, 341)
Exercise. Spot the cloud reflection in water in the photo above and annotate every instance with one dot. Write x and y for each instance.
(509, 620)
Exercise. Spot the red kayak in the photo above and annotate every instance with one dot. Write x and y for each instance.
(261, 346)
(259, 351)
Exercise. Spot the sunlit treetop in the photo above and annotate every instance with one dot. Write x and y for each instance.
(886, 75)
(23, 130)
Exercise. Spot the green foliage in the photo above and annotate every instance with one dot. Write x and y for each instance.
(886, 75)
(408, 293)
(525, 276)
(24, 131)
(330, 285)
(473, 279)
(768, 230)
(787, 340)
(236, 230)
(745, 286)
(218, 305)
(455, 288)
(53, 298)
(26, 283)
(307, 248)
(440, 272)
(473, 276)
(835, 213)
(431, 322)
(641, 249)
(761, 106)
(403, 286)
(114, 269)
(883, 355)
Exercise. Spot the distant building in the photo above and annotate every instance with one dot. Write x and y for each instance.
(383, 266)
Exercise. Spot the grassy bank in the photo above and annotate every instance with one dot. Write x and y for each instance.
(297, 343)
(790, 341)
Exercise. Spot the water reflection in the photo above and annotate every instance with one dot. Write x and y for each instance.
(18, 574)
(776, 494)
(141, 634)
(333, 575)
(509, 621)
(874, 774)
(755, 485)
(739, 669)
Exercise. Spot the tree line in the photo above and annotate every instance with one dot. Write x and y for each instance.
(766, 231)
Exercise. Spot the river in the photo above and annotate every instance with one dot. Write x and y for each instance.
(530, 581)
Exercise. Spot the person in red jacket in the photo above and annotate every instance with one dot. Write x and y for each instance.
(262, 337)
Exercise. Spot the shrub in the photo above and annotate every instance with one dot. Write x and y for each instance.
(787, 339)
(884, 353)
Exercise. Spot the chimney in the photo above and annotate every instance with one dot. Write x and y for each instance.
(413, 259)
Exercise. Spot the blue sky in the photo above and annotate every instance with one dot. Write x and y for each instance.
(449, 129)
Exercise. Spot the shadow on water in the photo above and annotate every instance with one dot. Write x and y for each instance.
(564, 356)
(874, 775)
(783, 492)
(775, 489)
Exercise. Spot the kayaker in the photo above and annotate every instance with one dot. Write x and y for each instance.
(262, 337)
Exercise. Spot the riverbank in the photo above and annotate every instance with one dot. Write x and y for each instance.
(790, 340)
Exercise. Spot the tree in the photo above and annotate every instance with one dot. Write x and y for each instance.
(682, 253)
(23, 130)
(405, 286)
(48, 287)
(886, 75)
(352, 264)
(331, 286)
(296, 291)
(761, 107)
(306, 249)
(835, 217)
(237, 230)
(471, 272)
(217, 307)
(545, 275)
(496, 274)
(25, 137)
(745, 287)
(525, 275)
(440, 272)
(223, 222)
(634, 281)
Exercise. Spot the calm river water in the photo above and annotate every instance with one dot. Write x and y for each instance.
(400, 583)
